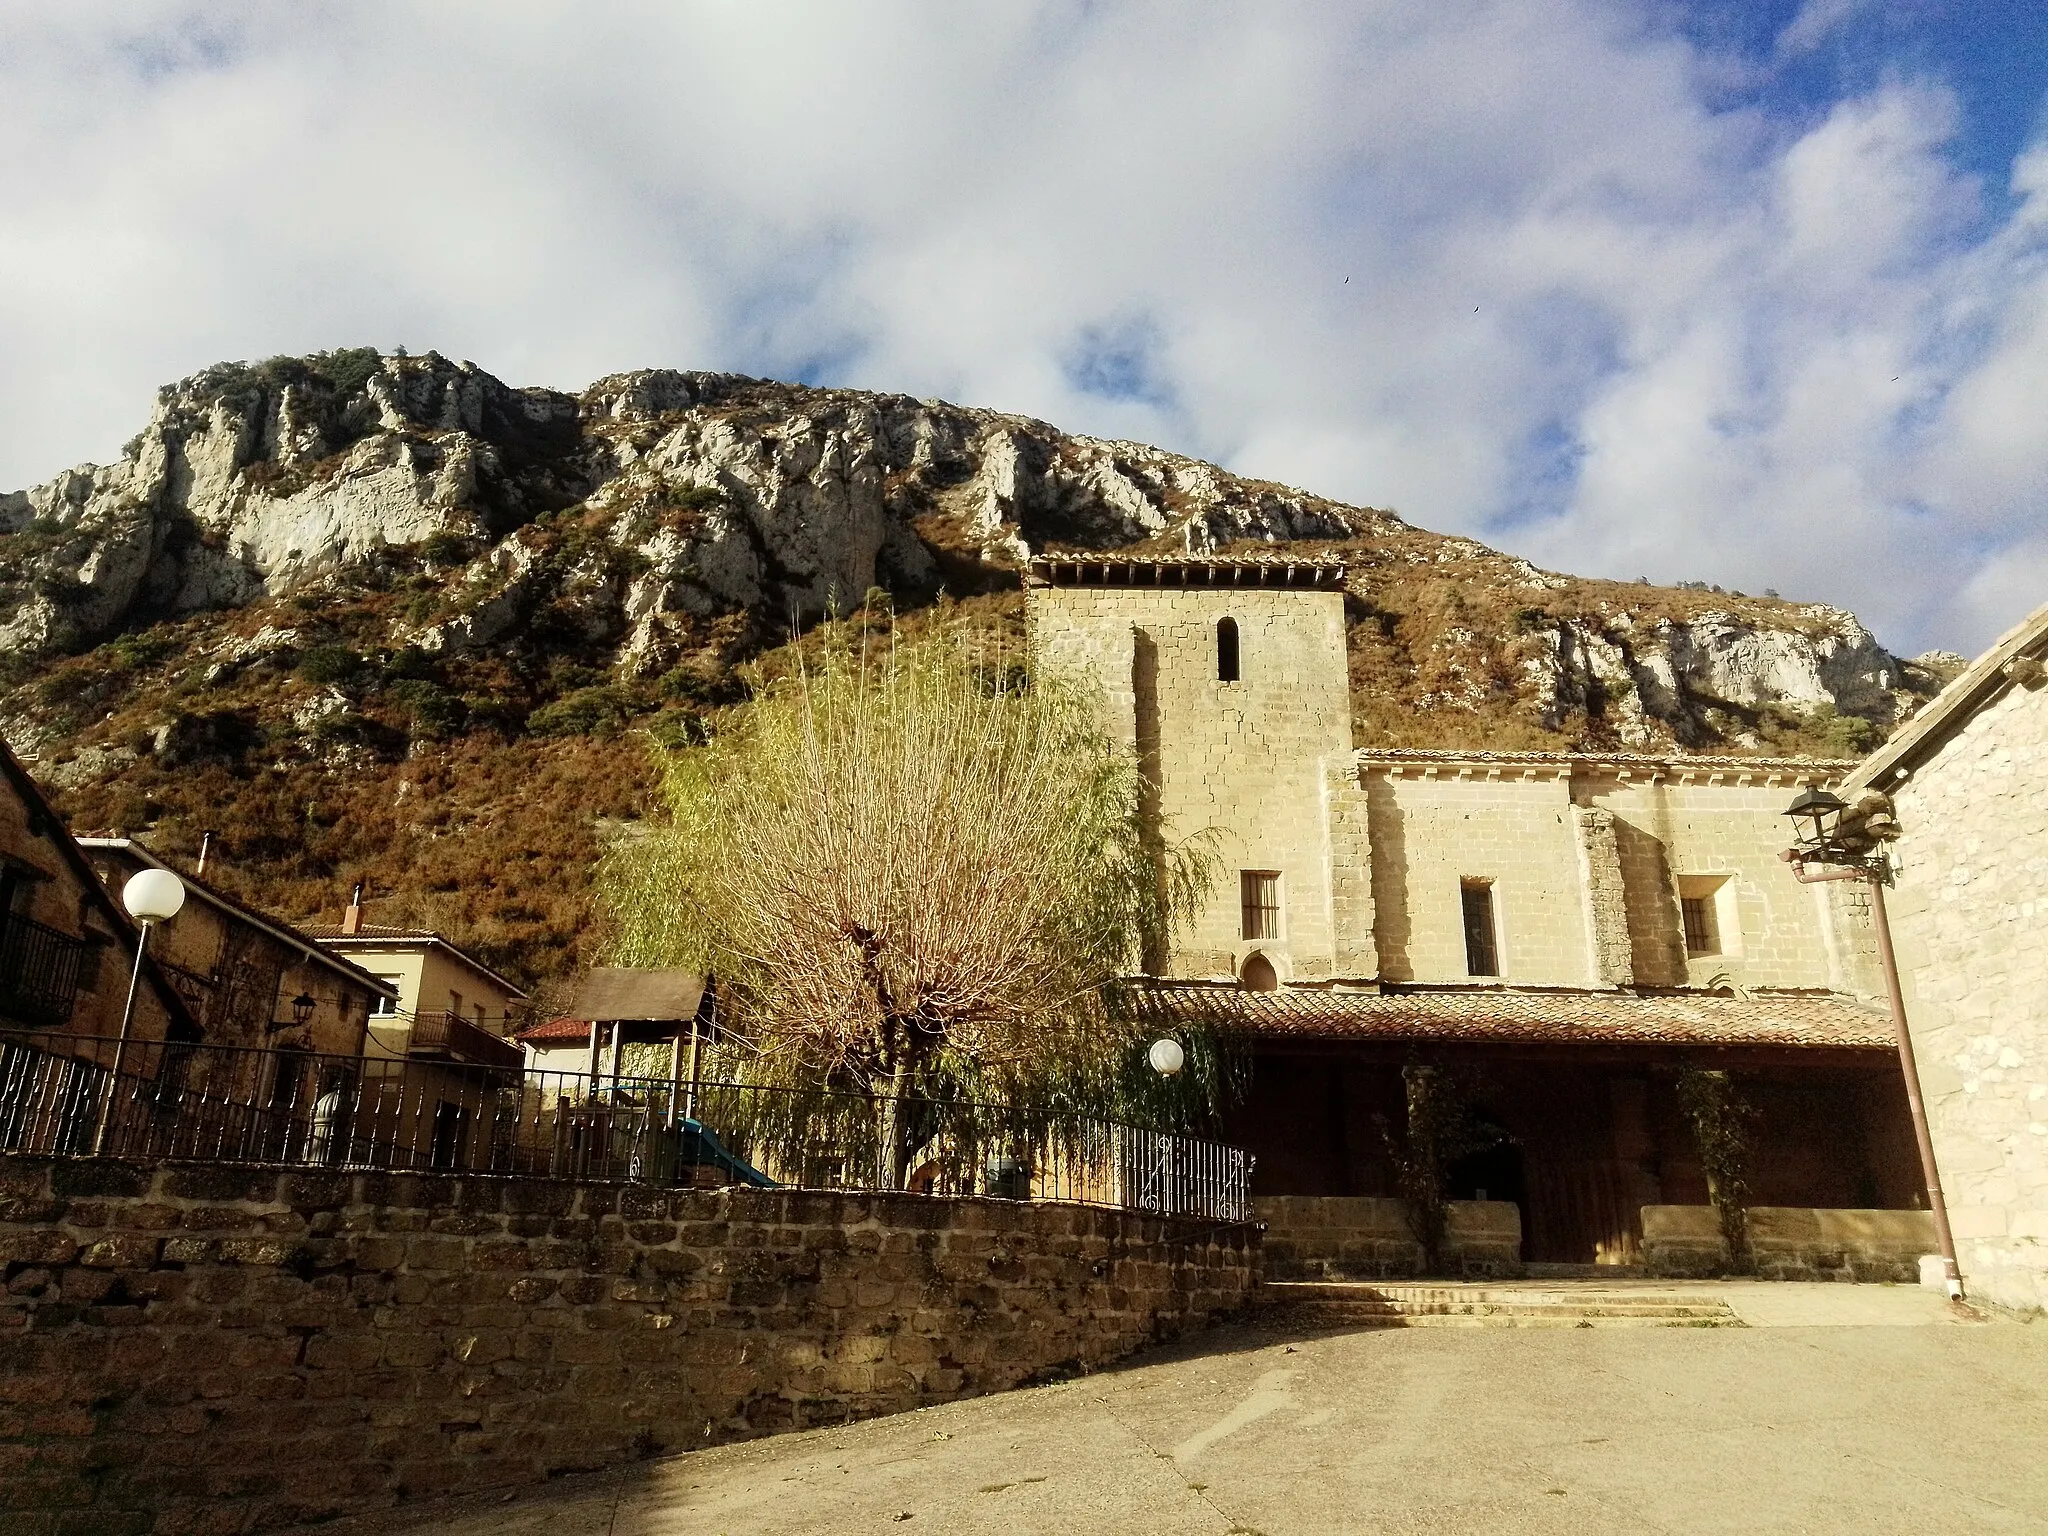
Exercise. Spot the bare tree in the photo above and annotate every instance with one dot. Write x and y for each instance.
(910, 866)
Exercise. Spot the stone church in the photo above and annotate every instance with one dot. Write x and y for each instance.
(1570, 929)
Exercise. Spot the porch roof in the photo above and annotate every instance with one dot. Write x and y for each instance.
(1505, 1016)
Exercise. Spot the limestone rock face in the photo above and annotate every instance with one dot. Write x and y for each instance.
(658, 500)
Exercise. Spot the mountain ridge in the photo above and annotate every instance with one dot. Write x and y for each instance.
(311, 581)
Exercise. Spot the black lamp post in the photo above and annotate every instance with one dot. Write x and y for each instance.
(1844, 840)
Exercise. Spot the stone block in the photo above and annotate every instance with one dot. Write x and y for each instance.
(38, 1247)
(214, 1185)
(126, 1251)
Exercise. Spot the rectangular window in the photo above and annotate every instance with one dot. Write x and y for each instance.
(1482, 955)
(1259, 898)
(1698, 912)
(1709, 915)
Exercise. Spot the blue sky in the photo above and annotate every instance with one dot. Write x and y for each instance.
(1749, 293)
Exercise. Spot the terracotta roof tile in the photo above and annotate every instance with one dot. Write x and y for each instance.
(556, 1031)
(1516, 1017)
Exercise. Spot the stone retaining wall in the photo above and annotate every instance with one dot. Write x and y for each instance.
(199, 1349)
(1790, 1242)
(1365, 1237)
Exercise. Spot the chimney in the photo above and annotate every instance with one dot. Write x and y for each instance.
(352, 919)
(205, 847)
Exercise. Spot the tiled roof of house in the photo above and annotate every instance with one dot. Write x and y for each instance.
(371, 935)
(556, 1032)
(1498, 1015)
(367, 931)
(1978, 684)
(289, 933)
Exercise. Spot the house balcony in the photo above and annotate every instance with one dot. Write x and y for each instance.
(40, 969)
(442, 1037)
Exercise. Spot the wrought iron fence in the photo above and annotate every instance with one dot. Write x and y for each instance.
(59, 1097)
(40, 970)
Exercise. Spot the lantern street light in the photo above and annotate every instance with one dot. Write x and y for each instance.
(151, 896)
(302, 1009)
(1167, 1057)
(1844, 840)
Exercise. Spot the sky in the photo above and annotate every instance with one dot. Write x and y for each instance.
(1750, 292)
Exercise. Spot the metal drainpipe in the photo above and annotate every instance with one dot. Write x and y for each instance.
(1937, 1204)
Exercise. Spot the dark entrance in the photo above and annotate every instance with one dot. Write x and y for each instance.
(1493, 1174)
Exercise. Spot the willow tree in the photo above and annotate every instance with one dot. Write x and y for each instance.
(910, 870)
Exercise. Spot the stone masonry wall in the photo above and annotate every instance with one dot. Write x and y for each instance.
(1245, 761)
(1790, 1243)
(198, 1349)
(1367, 1237)
(1514, 828)
(1968, 917)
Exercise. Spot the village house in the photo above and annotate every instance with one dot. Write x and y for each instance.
(250, 980)
(66, 946)
(1969, 780)
(443, 1002)
(1569, 930)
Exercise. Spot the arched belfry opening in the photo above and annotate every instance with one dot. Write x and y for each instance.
(1226, 651)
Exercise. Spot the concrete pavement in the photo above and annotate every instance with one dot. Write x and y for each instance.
(1793, 1426)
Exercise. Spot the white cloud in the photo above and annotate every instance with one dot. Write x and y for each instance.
(1587, 317)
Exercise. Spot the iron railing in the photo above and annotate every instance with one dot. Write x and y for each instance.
(59, 1097)
(443, 1034)
(40, 970)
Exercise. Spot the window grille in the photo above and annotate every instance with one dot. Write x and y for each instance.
(1226, 651)
(1259, 893)
(1482, 957)
(1697, 912)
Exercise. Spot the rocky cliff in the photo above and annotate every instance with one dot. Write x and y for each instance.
(321, 572)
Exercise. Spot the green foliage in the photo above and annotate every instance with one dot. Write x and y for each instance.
(445, 548)
(409, 662)
(1821, 731)
(703, 687)
(435, 712)
(599, 711)
(133, 653)
(1442, 1129)
(694, 498)
(329, 664)
(676, 729)
(1723, 1129)
(911, 884)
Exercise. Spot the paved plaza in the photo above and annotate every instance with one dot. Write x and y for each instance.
(1837, 1408)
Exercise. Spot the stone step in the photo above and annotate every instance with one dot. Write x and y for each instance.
(1319, 1319)
(1362, 1305)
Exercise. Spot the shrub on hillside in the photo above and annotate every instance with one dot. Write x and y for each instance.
(599, 711)
(329, 664)
(435, 713)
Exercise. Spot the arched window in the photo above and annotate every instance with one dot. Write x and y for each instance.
(1257, 974)
(1226, 650)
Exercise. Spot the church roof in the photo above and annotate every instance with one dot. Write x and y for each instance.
(1513, 1017)
(1094, 570)
(2014, 660)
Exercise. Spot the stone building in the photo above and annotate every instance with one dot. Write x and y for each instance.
(1969, 778)
(445, 1003)
(66, 946)
(249, 979)
(1568, 930)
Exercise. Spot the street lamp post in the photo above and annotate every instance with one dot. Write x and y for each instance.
(151, 896)
(1847, 841)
